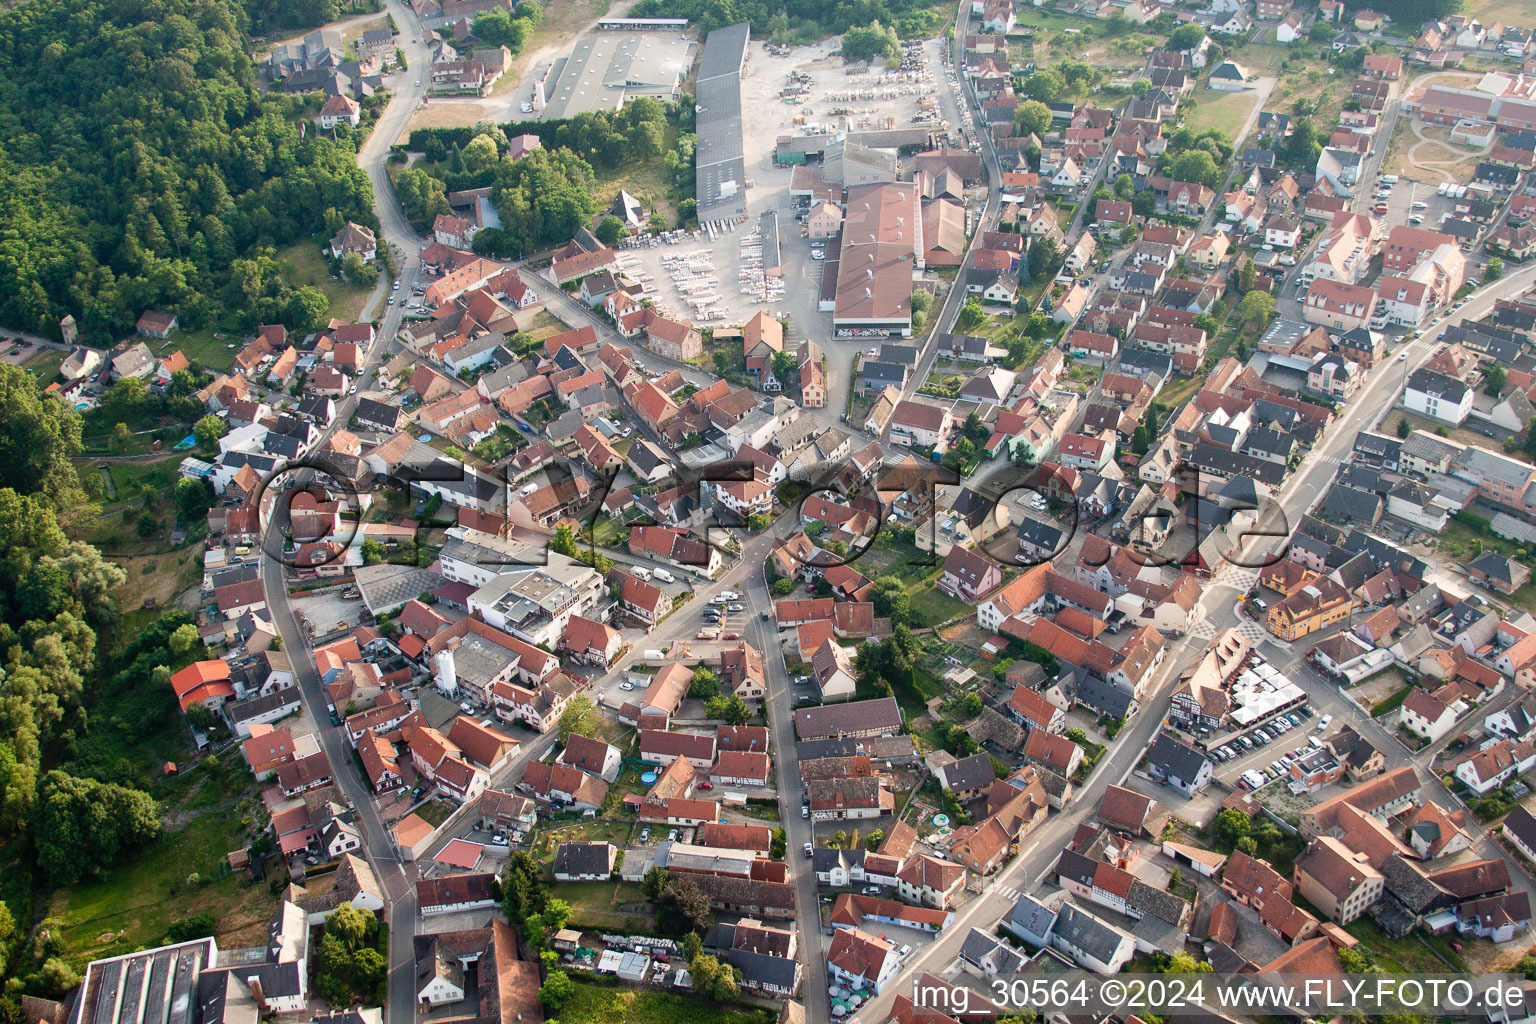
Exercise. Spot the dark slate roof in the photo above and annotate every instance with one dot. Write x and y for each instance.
(1086, 932)
(1141, 362)
(581, 858)
(893, 373)
(1175, 758)
(1351, 503)
(1228, 463)
(1032, 916)
(1379, 447)
(1040, 533)
(1521, 824)
(1411, 888)
(1494, 566)
(1264, 411)
(1497, 173)
(372, 411)
(1102, 695)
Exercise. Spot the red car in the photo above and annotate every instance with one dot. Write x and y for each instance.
(706, 785)
(731, 636)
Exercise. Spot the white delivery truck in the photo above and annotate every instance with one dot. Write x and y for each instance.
(654, 655)
(664, 575)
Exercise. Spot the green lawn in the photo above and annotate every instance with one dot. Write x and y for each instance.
(604, 1004)
(434, 812)
(1391, 703)
(211, 349)
(130, 477)
(303, 264)
(1225, 112)
(914, 700)
(46, 364)
(1516, 12)
(933, 606)
(606, 905)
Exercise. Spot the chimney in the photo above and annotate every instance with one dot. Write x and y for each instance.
(867, 294)
(254, 984)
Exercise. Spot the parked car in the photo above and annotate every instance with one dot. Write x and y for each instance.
(810, 851)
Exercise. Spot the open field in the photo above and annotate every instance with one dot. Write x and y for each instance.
(158, 579)
(355, 29)
(209, 348)
(934, 606)
(1298, 78)
(1424, 152)
(1510, 12)
(606, 904)
(1224, 112)
(1059, 37)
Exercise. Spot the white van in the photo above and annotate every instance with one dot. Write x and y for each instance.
(729, 595)
(664, 575)
(654, 655)
(641, 572)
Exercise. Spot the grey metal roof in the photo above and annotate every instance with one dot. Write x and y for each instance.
(1494, 465)
(719, 163)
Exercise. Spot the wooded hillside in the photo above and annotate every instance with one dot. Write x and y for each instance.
(140, 167)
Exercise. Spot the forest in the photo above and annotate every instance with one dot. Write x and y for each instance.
(76, 694)
(140, 168)
(545, 197)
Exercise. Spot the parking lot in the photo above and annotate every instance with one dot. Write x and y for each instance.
(1248, 755)
(331, 611)
(717, 277)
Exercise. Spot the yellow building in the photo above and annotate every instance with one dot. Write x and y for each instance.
(1316, 604)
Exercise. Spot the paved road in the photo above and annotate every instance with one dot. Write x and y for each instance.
(945, 317)
(397, 878)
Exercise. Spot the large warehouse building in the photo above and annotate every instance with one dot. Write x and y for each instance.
(720, 168)
(881, 247)
(609, 68)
